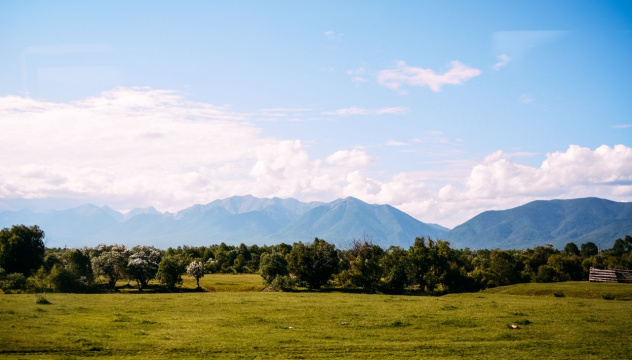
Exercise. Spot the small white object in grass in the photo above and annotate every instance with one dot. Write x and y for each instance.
(289, 327)
(514, 326)
(344, 323)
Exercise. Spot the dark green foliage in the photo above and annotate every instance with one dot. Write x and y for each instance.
(608, 297)
(171, 269)
(571, 249)
(314, 263)
(589, 249)
(559, 294)
(546, 274)
(364, 268)
(273, 265)
(63, 280)
(12, 282)
(21, 249)
(395, 268)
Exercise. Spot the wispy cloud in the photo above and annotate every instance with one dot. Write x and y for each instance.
(333, 35)
(404, 75)
(621, 126)
(526, 98)
(358, 75)
(354, 110)
(396, 143)
(502, 61)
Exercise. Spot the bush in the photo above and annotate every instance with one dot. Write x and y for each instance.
(608, 297)
(40, 299)
(170, 271)
(282, 282)
(559, 294)
(13, 282)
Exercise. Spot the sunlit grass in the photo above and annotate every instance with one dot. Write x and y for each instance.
(264, 325)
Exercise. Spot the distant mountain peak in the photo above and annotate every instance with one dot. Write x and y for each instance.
(541, 222)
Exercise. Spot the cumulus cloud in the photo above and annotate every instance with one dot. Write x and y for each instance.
(133, 147)
(354, 158)
(354, 110)
(498, 183)
(502, 61)
(404, 75)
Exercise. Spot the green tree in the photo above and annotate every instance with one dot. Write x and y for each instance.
(588, 249)
(21, 249)
(364, 265)
(273, 265)
(313, 263)
(395, 268)
(196, 270)
(143, 264)
(170, 270)
(571, 249)
(111, 263)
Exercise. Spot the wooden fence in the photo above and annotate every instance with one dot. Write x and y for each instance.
(613, 276)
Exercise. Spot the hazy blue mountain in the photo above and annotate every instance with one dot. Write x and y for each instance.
(73, 227)
(542, 222)
(233, 220)
(345, 220)
(138, 211)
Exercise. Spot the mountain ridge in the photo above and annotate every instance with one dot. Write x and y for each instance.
(231, 220)
(542, 222)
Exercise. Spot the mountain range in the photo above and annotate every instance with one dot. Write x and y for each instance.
(251, 220)
(537, 223)
(235, 220)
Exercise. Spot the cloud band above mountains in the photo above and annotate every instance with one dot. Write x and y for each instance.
(132, 147)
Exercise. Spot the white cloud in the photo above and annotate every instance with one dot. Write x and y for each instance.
(358, 75)
(502, 61)
(333, 35)
(136, 147)
(396, 143)
(404, 75)
(621, 126)
(354, 158)
(498, 183)
(526, 99)
(354, 110)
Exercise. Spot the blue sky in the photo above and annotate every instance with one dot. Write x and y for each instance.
(441, 109)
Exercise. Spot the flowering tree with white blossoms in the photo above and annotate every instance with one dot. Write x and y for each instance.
(196, 270)
(110, 262)
(143, 264)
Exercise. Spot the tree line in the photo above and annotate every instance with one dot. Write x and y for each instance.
(428, 266)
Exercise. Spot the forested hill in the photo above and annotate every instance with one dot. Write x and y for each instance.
(235, 220)
(540, 222)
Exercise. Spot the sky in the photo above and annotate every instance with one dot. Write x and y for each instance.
(441, 109)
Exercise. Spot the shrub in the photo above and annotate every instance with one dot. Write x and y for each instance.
(40, 299)
(282, 282)
(608, 297)
(558, 294)
(170, 271)
(13, 282)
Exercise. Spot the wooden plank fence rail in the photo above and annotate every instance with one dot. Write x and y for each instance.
(613, 276)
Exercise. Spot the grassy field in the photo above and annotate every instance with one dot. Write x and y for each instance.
(233, 323)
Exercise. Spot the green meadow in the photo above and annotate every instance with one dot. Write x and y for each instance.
(234, 319)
